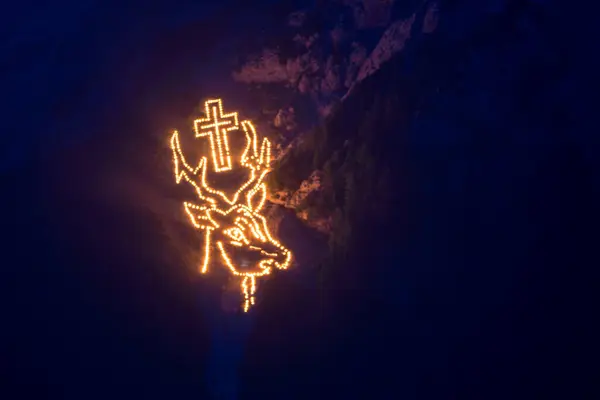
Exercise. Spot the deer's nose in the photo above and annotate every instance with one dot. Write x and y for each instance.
(283, 259)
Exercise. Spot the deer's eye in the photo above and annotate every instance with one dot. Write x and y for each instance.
(237, 235)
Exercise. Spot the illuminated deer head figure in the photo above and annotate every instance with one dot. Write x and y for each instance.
(233, 226)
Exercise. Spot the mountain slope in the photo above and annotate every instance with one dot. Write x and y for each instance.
(462, 227)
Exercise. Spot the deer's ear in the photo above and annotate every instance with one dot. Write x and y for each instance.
(200, 216)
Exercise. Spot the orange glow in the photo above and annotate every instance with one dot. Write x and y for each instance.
(236, 222)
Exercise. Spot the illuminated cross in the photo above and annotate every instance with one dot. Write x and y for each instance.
(216, 125)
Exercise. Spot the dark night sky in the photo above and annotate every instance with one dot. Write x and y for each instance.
(87, 82)
(74, 62)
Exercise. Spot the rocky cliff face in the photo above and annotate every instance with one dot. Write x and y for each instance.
(327, 52)
(324, 60)
(477, 273)
(299, 199)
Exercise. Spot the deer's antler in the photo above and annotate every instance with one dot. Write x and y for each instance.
(183, 170)
(258, 163)
(253, 159)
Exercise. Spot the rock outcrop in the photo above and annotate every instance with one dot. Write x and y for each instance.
(285, 119)
(326, 79)
(371, 13)
(392, 41)
(298, 201)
